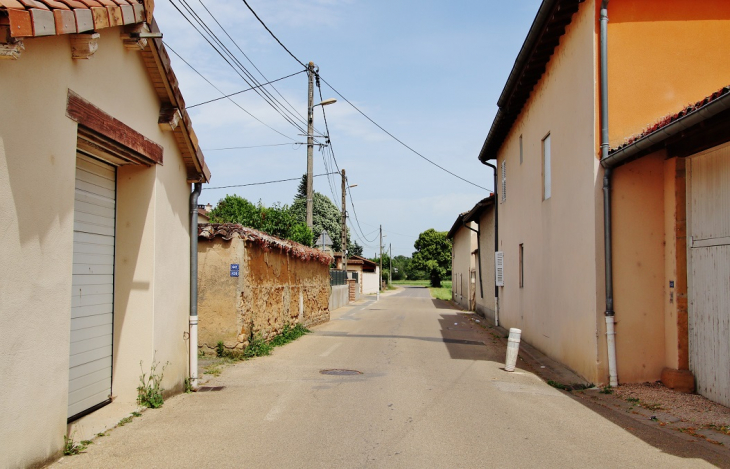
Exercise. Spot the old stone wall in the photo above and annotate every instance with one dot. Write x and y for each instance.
(273, 289)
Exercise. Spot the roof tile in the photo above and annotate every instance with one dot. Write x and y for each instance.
(65, 21)
(84, 20)
(73, 3)
(54, 5)
(15, 4)
(34, 4)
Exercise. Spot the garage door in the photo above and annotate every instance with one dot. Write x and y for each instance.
(709, 272)
(92, 303)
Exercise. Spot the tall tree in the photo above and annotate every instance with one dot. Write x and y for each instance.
(276, 220)
(433, 255)
(325, 216)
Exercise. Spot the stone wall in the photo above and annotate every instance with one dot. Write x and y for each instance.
(279, 283)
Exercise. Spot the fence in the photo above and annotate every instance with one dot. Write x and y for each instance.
(338, 277)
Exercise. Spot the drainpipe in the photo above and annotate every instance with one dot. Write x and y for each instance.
(496, 242)
(610, 331)
(197, 187)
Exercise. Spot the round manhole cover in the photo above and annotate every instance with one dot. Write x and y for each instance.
(339, 372)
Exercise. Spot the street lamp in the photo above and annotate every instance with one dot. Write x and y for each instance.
(311, 72)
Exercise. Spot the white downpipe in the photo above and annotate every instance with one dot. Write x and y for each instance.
(513, 349)
(194, 352)
(496, 311)
(611, 342)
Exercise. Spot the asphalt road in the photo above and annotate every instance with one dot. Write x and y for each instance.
(431, 394)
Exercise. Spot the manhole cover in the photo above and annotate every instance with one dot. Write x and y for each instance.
(210, 388)
(337, 372)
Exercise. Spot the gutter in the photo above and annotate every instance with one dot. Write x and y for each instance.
(193, 355)
(683, 123)
(607, 238)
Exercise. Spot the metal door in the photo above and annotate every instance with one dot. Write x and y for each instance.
(92, 301)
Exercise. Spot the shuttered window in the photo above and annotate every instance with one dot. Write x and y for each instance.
(92, 300)
(504, 181)
(499, 268)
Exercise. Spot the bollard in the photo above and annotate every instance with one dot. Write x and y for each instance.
(513, 347)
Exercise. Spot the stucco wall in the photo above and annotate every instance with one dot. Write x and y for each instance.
(557, 309)
(37, 161)
(339, 297)
(663, 55)
(638, 268)
(370, 282)
(263, 299)
(462, 261)
(485, 302)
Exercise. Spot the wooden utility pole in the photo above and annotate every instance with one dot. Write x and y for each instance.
(380, 280)
(310, 145)
(344, 221)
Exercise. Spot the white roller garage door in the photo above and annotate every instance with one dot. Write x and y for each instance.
(92, 303)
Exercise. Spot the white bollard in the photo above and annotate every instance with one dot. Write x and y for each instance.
(513, 347)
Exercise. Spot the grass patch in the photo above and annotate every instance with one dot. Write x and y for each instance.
(606, 390)
(440, 293)
(418, 283)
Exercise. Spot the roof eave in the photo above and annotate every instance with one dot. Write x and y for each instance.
(645, 143)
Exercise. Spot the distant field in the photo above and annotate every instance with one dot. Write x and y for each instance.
(443, 293)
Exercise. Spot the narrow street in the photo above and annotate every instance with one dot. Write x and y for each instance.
(431, 394)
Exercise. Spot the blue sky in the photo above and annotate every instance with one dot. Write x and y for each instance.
(428, 72)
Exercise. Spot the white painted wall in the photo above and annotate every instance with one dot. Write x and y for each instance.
(37, 167)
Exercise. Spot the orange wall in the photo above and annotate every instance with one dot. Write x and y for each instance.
(663, 55)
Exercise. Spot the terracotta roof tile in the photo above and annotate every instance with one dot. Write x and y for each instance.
(267, 242)
(28, 18)
(15, 4)
(668, 119)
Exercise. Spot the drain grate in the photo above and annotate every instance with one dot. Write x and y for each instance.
(210, 388)
(339, 372)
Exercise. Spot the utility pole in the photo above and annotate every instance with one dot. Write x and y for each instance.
(344, 221)
(390, 264)
(380, 280)
(310, 145)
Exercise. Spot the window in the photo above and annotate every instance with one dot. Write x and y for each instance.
(520, 149)
(546, 172)
(504, 181)
(522, 265)
(499, 268)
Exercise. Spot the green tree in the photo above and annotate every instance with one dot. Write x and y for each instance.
(276, 220)
(433, 255)
(325, 216)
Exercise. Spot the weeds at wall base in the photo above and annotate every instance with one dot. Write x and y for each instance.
(149, 392)
(70, 447)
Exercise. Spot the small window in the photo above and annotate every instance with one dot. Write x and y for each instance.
(522, 265)
(520, 149)
(546, 171)
(499, 268)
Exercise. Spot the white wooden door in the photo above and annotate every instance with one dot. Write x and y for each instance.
(92, 301)
(709, 272)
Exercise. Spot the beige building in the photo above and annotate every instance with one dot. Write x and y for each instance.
(472, 257)
(612, 192)
(97, 157)
(251, 284)
(464, 252)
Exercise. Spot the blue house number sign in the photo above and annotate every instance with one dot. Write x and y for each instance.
(234, 270)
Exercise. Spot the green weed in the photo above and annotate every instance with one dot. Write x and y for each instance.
(125, 421)
(632, 399)
(220, 349)
(606, 390)
(149, 392)
(70, 447)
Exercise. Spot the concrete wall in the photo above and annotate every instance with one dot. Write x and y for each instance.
(558, 307)
(462, 262)
(485, 300)
(339, 297)
(37, 170)
(265, 297)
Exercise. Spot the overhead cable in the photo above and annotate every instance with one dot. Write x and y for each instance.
(260, 183)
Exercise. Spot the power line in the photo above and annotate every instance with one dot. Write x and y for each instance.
(243, 91)
(358, 109)
(254, 146)
(221, 92)
(261, 183)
